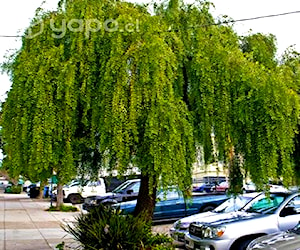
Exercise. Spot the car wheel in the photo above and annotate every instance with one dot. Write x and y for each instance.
(74, 198)
(241, 245)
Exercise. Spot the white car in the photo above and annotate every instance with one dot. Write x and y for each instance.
(180, 227)
(4, 183)
(251, 187)
(76, 193)
(265, 214)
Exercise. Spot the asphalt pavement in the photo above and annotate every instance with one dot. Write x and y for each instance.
(26, 225)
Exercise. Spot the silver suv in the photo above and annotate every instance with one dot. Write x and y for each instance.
(180, 227)
(234, 231)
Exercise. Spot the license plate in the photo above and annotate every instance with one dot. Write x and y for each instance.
(197, 247)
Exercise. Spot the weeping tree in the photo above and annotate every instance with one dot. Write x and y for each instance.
(109, 85)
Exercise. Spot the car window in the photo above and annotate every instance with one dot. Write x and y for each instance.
(223, 184)
(266, 204)
(92, 184)
(136, 187)
(95, 183)
(293, 207)
(171, 194)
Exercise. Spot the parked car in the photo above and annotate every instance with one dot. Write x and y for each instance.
(26, 184)
(273, 186)
(287, 240)
(3, 183)
(278, 188)
(33, 190)
(214, 179)
(171, 205)
(265, 214)
(249, 187)
(204, 187)
(221, 187)
(180, 227)
(112, 182)
(32, 185)
(127, 191)
(77, 191)
(7, 189)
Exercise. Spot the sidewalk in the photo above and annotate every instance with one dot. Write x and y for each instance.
(25, 225)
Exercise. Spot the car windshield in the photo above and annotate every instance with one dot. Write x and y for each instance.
(76, 183)
(232, 204)
(265, 204)
(121, 187)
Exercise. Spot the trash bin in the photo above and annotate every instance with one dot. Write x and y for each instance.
(34, 191)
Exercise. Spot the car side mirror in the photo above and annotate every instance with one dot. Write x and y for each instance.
(130, 191)
(286, 211)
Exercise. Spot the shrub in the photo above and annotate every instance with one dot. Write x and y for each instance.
(16, 189)
(104, 228)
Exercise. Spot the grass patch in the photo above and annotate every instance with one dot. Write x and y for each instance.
(63, 208)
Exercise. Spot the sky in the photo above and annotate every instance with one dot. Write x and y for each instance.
(15, 16)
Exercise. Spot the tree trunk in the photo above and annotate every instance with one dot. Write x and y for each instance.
(59, 197)
(146, 198)
(6, 175)
(41, 193)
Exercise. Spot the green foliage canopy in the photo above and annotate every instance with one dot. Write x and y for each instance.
(146, 98)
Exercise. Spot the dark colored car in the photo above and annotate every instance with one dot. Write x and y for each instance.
(125, 192)
(204, 187)
(171, 205)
